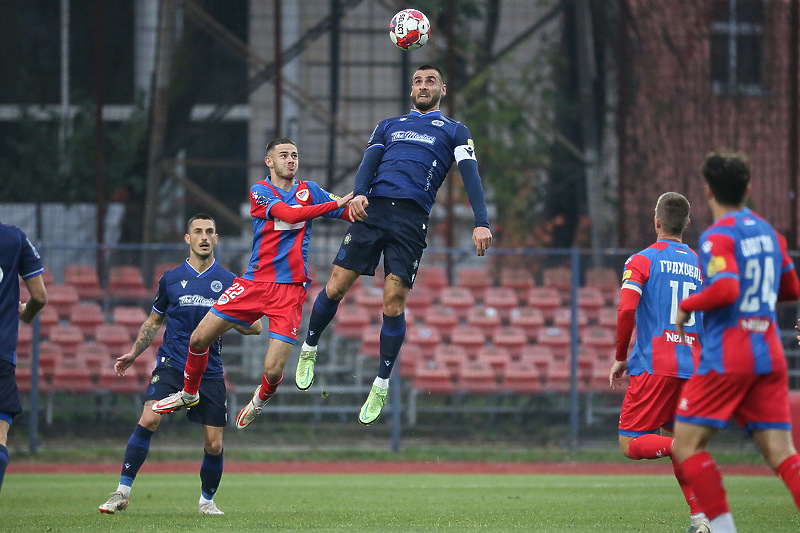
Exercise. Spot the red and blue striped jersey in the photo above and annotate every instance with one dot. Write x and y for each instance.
(280, 249)
(743, 338)
(663, 274)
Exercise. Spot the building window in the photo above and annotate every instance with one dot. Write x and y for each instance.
(737, 47)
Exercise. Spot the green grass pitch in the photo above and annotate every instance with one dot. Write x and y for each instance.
(373, 502)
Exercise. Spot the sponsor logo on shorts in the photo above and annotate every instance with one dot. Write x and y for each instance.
(347, 238)
(154, 380)
(683, 405)
(216, 285)
(341, 254)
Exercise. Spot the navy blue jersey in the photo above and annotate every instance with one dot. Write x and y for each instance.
(418, 151)
(185, 296)
(18, 257)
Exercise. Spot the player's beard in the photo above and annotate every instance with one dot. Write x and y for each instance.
(427, 106)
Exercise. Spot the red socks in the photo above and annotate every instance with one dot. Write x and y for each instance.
(688, 493)
(789, 472)
(650, 446)
(193, 372)
(267, 387)
(701, 472)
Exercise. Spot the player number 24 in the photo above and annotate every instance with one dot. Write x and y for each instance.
(761, 287)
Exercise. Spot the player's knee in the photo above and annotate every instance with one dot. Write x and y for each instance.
(197, 342)
(213, 447)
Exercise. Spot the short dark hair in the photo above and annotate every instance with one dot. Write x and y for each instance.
(727, 174)
(201, 216)
(672, 209)
(428, 66)
(279, 140)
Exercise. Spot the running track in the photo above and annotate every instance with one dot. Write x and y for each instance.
(386, 467)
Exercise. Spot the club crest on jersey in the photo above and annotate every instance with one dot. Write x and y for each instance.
(223, 299)
(302, 195)
(216, 285)
(437, 122)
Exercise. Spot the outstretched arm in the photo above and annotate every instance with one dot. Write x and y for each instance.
(292, 215)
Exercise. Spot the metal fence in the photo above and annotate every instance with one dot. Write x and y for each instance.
(519, 342)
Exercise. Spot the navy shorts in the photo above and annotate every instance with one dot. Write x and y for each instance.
(10, 405)
(394, 228)
(213, 407)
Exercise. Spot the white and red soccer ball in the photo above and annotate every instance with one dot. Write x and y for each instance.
(409, 29)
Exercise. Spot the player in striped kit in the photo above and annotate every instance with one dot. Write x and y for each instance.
(275, 282)
(743, 370)
(654, 281)
(405, 163)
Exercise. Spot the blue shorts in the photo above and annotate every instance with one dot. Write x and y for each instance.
(394, 228)
(213, 407)
(10, 405)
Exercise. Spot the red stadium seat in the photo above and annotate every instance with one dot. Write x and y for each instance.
(528, 319)
(485, 319)
(426, 338)
(114, 337)
(591, 301)
(370, 299)
(450, 357)
(67, 338)
(350, 321)
(61, 298)
(86, 316)
(432, 379)
(371, 341)
(501, 298)
(459, 299)
(498, 358)
(559, 278)
(434, 277)
(85, 279)
(601, 339)
(477, 377)
(469, 338)
(558, 377)
(511, 339)
(605, 279)
(410, 357)
(563, 317)
(158, 271)
(546, 300)
(419, 300)
(557, 339)
(538, 355)
(125, 283)
(48, 317)
(24, 342)
(522, 377)
(443, 319)
(130, 317)
(520, 280)
(72, 377)
(477, 280)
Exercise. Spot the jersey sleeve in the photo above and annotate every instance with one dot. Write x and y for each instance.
(464, 154)
(321, 196)
(261, 200)
(30, 262)
(636, 274)
(161, 301)
(718, 257)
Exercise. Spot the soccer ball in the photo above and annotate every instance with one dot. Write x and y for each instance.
(409, 29)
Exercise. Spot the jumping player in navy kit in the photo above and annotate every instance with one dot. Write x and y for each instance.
(184, 296)
(405, 163)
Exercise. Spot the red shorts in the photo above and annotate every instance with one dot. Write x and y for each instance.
(282, 303)
(754, 401)
(649, 404)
